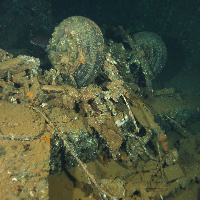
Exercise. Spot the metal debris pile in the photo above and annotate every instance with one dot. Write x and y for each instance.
(146, 51)
(88, 120)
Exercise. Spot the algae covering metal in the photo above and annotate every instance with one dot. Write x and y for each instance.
(150, 53)
(76, 49)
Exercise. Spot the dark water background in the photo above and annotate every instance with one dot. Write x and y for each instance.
(176, 21)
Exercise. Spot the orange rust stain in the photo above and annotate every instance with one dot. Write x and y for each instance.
(68, 188)
(164, 142)
(127, 95)
(101, 157)
(46, 139)
(138, 101)
(9, 97)
(30, 95)
(14, 79)
(82, 60)
(81, 57)
(26, 146)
